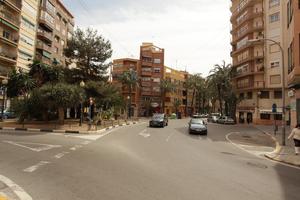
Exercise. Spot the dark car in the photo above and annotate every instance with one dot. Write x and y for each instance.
(197, 126)
(7, 114)
(159, 120)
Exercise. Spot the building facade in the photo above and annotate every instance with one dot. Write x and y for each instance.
(55, 27)
(120, 66)
(292, 56)
(257, 65)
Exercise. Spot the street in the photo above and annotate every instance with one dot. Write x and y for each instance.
(137, 162)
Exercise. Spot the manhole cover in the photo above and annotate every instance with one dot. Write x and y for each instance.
(258, 165)
(228, 153)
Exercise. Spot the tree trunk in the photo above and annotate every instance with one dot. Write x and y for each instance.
(163, 101)
(61, 115)
(220, 100)
(192, 104)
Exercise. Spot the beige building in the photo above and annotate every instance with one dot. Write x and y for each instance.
(55, 27)
(27, 38)
(258, 71)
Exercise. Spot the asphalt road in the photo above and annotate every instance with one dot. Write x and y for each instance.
(137, 162)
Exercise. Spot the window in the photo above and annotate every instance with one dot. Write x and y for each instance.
(25, 56)
(265, 116)
(278, 116)
(26, 40)
(274, 64)
(6, 34)
(48, 17)
(55, 49)
(265, 95)
(146, 69)
(277, 94)
(156, 89)
(57, 26)
(290, 58)
(26, 6)
(156, 80)
(273, 3)
(242, 95)
(249, 95)
(27, 23)
(50, 7)
(274, 17)
(275, 79)
(62, 42)
(274, 48)
(156, 61)
(56, 38)
(156, 70)
(289, 13)
(146, 79)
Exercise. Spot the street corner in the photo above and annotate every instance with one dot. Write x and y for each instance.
(286, 156)
(254, 143)
(11, 191)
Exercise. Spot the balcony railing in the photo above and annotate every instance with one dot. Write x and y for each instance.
(146, 73)
(249, 30)
(7, 56)
(146, 93)
(252, 85)
(46, 22)
(251, 14)
(248, 59)
(15, 4)
(10, 17)
(9, 39)
(243, 5)
(43, 46)
(43, 59)
(45, 34)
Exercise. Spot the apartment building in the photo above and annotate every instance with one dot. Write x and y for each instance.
(120, 66)
(179, 92)
(55, 26)
(27, 35)
(257, 65)
(292, 56)
(10, 14)
(152, 72)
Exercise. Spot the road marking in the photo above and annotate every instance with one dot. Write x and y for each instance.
(169, 137)
(76, 147)
(35, 167)
(93, 137)
(255, 153)
(144, 133)
(86, 142)
(20, 192)
(26, 145)
(60, 155)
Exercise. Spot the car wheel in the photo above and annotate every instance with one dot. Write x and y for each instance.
(5, 117)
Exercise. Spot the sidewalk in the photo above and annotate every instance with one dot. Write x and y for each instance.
(285, 154)
(70, 126)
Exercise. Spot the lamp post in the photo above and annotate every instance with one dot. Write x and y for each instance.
(82, 84)
(4, 83)
(129, 108)
(283, 83)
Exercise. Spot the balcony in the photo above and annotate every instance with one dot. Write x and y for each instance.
(10, 19)
(243, 5)
(146, 73)
(251, 85)
(246, 60)
(146, 83)
(252, 70)
(14, 4)
(45, 35)
(147, 63)
(48, 24)
(242, 48)
(250, 29)
(251, 15)
(8, 56)
(43, 59)
(43, 46)
(9, 39)
(146, 93)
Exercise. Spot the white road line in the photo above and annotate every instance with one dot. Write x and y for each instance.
(26, 145)
(144, 133)
(169, 137)
(255, 153)
(76, 147)
(86, 142)
(35, 167)
(60, 155)
(20, 192)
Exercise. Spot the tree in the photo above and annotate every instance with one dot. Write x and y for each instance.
(176, 104)
(194, 82)
(91, 52)
(166, 86)
(19, 84)
(130, 80)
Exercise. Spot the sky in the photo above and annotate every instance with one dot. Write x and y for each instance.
(194, 33)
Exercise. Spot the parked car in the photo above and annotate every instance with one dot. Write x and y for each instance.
(159, 120)
(7, 114)
(197, 126)
(202, 116)
(213, 119)
(225, 120)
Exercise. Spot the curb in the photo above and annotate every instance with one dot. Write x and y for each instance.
(65, 131)
(273, 155)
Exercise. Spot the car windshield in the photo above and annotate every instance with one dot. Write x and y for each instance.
(197, 121)
(157, 117)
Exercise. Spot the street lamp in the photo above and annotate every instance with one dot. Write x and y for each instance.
(4, 83)
(129, 107)
(283, 82)
(82, 84)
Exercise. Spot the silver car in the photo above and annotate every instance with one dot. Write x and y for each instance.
(197, 126)
(226, 120)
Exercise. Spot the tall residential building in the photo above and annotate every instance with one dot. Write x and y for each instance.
(292, 55)
(120, 66)
(258, 74)
(55, 26)
(10, 13)
(152, 72)
(179, 93)
(27, 41)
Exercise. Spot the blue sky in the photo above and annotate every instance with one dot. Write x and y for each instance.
(194, 33)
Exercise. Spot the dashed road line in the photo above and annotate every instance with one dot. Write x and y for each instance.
(28, 145)
(144, 133)
(20, 192)
(169, 137)
(60, 155)
(35, 167)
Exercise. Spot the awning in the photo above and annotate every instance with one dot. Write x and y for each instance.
(269, 111)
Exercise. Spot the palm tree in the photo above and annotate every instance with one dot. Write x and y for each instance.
(130, 79)
(194, 82)
(176, 104)
(166, 86)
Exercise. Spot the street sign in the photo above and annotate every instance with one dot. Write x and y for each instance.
(274, 108)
